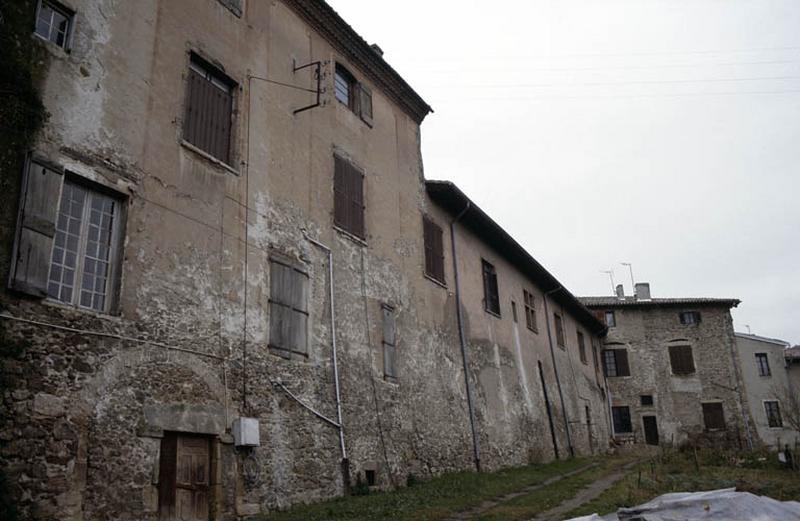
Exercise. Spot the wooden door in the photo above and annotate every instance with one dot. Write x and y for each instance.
(650, 430)
(184, 478)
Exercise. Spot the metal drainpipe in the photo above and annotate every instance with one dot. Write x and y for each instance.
(345, 464)
(464, 356)
(555, 370)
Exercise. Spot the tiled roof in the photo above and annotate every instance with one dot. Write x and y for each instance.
(763, 339)
(593, 302)
(792, 353)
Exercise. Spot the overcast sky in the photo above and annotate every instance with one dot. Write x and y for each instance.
(661, 133)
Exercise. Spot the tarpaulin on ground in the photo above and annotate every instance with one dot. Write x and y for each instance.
(715, 505)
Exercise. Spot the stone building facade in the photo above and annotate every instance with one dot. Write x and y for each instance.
(226, 217)
(671, 369)
(765, 376)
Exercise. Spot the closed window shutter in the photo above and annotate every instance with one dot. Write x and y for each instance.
(209, 104)
(713, 416)
(340, 194)
(357, 202)
(427, 240)
(389, 342)
(288, 309)
(434, 254)
(41, 192)
(623, 369)
(681, 360)
(365, 103)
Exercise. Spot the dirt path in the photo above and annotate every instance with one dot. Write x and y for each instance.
(585, 495)
(491, 503)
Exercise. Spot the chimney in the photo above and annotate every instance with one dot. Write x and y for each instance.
(377, 49)
(620, 291)
(642, 291)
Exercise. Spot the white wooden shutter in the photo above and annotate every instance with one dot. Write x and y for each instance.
(39, 199)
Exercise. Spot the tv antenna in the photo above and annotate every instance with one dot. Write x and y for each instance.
(610, 274)
(630, 268)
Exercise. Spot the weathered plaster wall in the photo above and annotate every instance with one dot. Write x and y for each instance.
(647, 332)
(86, 412)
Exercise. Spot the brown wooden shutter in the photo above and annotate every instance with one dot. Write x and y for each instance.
(167, 475)
(365, 103)
(357, 201)
(713, 416)
(39, 200)
(623, 368)
(434, 250)
(681, 360)
(340, 195)
(207, 122)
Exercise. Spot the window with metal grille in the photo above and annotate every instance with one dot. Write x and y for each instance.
(646, 400)
(681, 360)
(582, 348)
(54, 23)
(611, 319)
(773, 411)
(530, 311)
(622, 419)
(560, 340)
(713, 416)
(85, 244)
(348, 197)
(352, 93)
(491, 296)
(389, 341)
(434, 250)
(288, 308)
(689, 317)
(209, 108)
(615, 362)
(762, 361)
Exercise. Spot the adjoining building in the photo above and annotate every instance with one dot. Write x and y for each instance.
(765, 374)
(671, 369)
(230, 288)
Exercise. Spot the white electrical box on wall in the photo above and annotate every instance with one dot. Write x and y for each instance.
(245, 432)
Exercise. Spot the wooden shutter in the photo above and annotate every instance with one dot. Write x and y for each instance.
(288, 308)
(357, 201)
(389, 342)
(340, 195)
(209, 102)
(434, 250)
(167, 470)
(36, 226)
(623, 369)
(365, 103)
(299, 324)
(348, 197)
(681, 359)
(713, 416)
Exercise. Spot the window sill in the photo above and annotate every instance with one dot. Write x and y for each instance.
(349, 235)
(391, 380)
(54, 49)
(533, 329)
(435, 281)
(208, 157)
(287, 354)
(494, 314)
(47, 301)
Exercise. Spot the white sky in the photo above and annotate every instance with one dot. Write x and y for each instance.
(665, 133)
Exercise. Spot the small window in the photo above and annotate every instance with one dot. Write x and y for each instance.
(615, 362)
(209, 110)
(763, 364)
(646, 400)
(369, 476)
(54, 23)
(288, 308)
(530, 311)
(348, 197)
(356, 96)
(389, 341)
(611, 319)
(681, 360)
(622, 419)
(713, 416)
(773, 411)
(514, 311)
(559, 329)
(689, 317)
(434, 250)
(491, 296)
(582, 348)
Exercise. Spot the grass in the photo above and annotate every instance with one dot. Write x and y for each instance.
(430, 500)
(678, 471)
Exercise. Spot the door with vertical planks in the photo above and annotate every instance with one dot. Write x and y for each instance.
(184, 478)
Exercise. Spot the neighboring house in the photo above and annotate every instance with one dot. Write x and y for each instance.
(766, 382)
(670, 367)
(234, 291)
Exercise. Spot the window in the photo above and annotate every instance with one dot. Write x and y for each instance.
(689, 317)
(763, 364)
(54, 23)
(348, 197)
(491, 296)
(622, 419)
(713, 416)
(773, 414)
(559, 329)
(389, 342)
(530, 311)
(209, 108)
(288, 308)
(681, 360)
(67, 240)
(434, 250)
(582, 348)
(611, 319)
(615, 362)
(356, 96)
(514, 310)
(646, 400)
